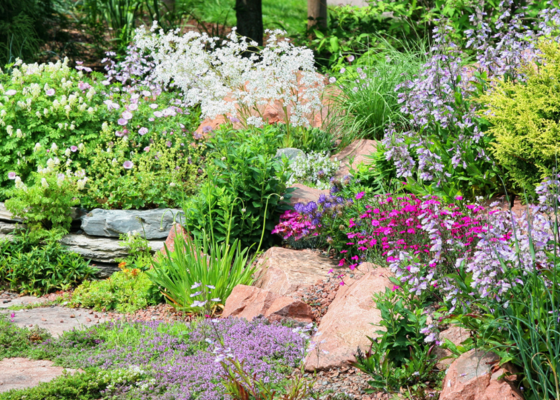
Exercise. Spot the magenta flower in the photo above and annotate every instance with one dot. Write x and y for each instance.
(143, 131)
(147, 148)
(122, 121)
(360, 195)
(12, 175)
(50, 92)
(128, 165)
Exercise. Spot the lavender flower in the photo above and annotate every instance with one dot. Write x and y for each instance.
(128, 165)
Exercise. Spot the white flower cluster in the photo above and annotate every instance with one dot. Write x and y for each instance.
(73, 95)
(315, 168)
(207, 70)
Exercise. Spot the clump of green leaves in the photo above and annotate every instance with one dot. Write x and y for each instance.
(14, 341)
(399, 359)
(127, 173)
(242, 198)
(28, 267)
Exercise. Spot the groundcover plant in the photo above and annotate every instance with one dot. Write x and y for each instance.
(172, 361)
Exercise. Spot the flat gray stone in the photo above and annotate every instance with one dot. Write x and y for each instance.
(289, 152)
(56, 319)
(152, 224)
(23, 373)
(103, 250)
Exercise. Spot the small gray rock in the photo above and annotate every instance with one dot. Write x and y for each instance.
(289, 152)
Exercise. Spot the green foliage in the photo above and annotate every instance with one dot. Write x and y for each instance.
(46, 203)
(125, 291)
(90, 385)
(39, 269)
(200, 273)
(525, 121)
(15, 341)
(24, 27)
(369, 103)
(163, 171)
(242, 197)
(399, 360)
(523, 328)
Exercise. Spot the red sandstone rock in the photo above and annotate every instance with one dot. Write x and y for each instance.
(456, 336)
(176, 229)
(348, 321)
(470, 377)
(304, 194)
(357, 150)
(249, 302)
(22, 373)
(284, 271)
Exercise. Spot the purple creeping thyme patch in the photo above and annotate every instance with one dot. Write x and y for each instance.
(185, 367)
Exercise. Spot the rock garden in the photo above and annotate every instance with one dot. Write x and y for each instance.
(363, 209)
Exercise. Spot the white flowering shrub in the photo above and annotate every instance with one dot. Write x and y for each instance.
(45, 103)
(53, 189)
(313, 168)
(207, 69)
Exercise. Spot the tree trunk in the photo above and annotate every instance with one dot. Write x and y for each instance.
(249, 19)
(316, 13)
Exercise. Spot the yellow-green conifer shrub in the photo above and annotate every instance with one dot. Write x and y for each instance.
(525, 120)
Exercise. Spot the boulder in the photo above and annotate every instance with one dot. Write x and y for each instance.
(285, 271)
(305, 194)
(475, 376)
(152, 224)
(348, 322)
(101, 250)
(175, 230)
(357, 151)
(249, 302)
(288, 152)
(456, 336)
(7, 228)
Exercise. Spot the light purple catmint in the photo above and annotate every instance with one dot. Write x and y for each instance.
(12, 175)
(127, 115)
(207, 129)
(122, 121)
(50, 92)
(73, 149)
(233, 120)
(128, 165)
(143, 131)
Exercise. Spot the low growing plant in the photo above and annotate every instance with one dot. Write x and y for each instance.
(315, 169)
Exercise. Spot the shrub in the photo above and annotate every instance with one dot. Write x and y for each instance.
(201, 269)
(242, 197)
(46, 202)
(38, 270)
(125, 291)
(45, 104)
(524, 120)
